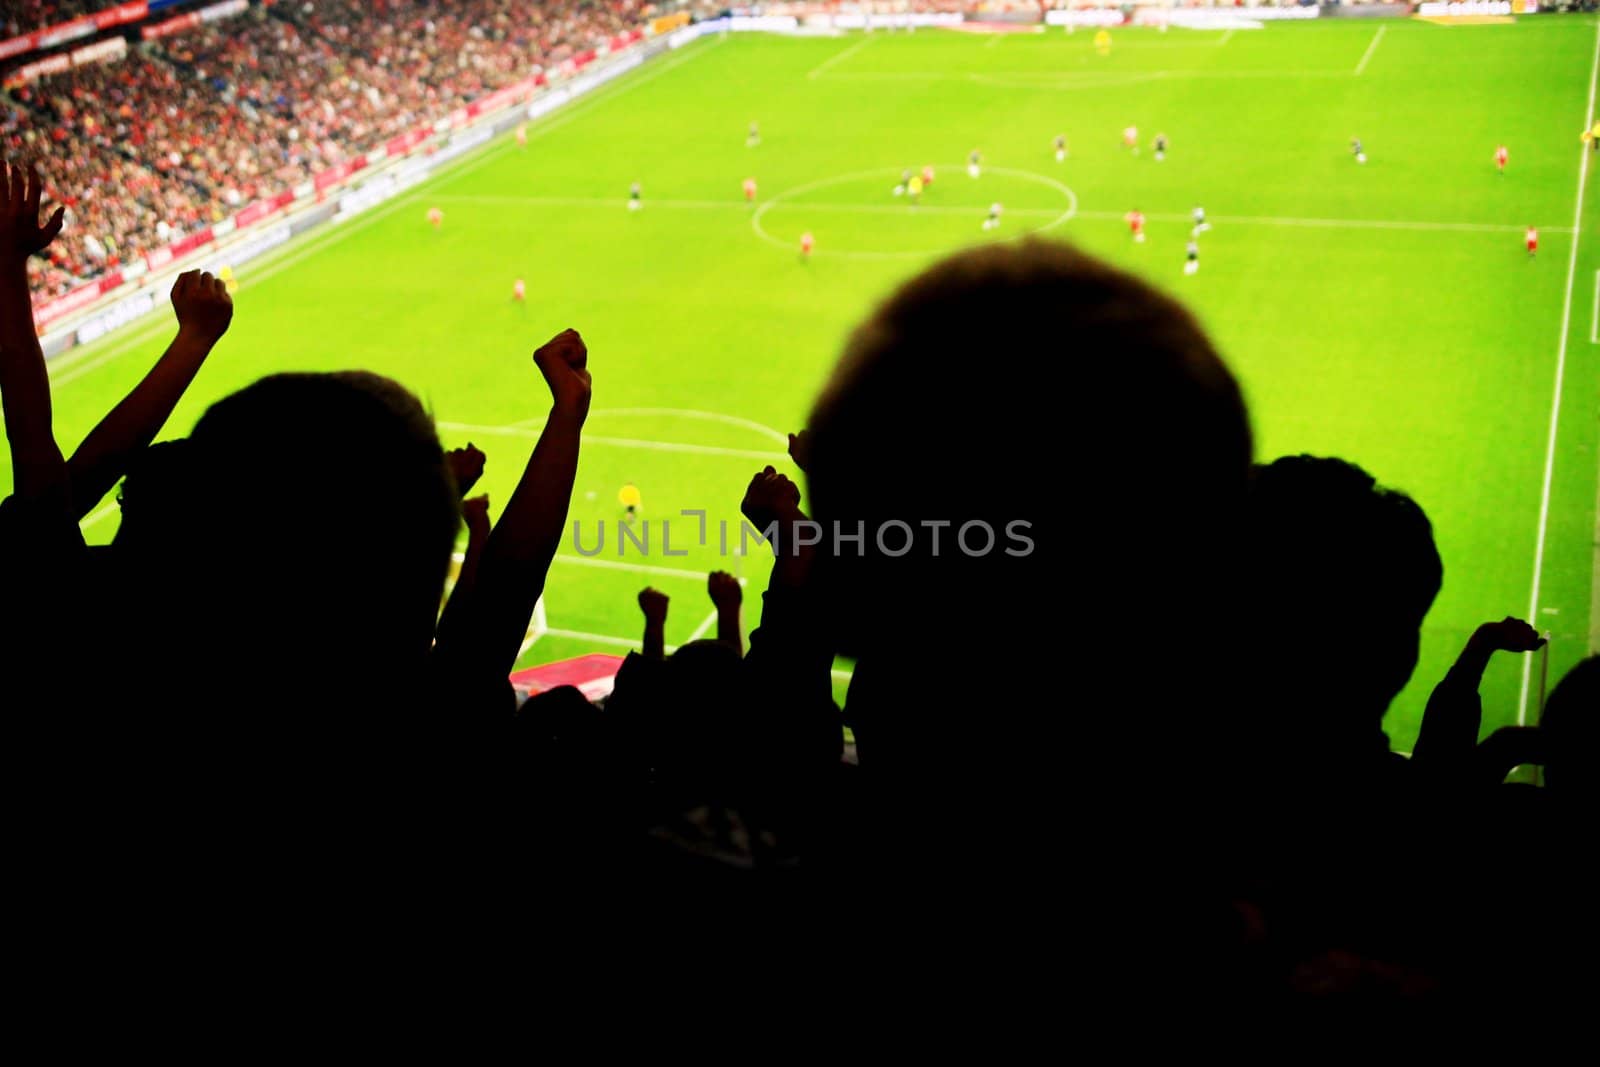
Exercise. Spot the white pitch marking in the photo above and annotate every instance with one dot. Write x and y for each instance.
(943, 209)
(838, 57)
(857, 209)
(101, 513)
(1226, 38)
(692, 413)
(588, 201)
(696, 450)
(1353, 224)
(885, 174)
(1037, 79)
(705, 626)
(1561, 372)
(1371, 48)
(596, 639)
(626, 442)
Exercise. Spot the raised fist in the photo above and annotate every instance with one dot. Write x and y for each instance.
(653, 603)
(475, 510)
(202, 304)
(770, 497)
(564, 362)
(467, 466)
(724, 590)
(1510, 635)
(800, 449)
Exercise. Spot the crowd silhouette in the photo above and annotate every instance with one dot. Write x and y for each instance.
(1188, 795)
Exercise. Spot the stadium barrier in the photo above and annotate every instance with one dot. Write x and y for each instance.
(1366, 11)
(1476, 8)
(1193, 18)
(913, 20)
(216, 12)
(83, 26)
(1091, 16)
(99, 52)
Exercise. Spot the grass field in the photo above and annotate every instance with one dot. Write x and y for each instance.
(1386, 313)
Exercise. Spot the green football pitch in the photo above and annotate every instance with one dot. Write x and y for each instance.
(1384, 312)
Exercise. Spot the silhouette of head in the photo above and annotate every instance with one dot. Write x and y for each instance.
(300, 535)
(1341, 573)
(1031, 440)
(1571, 728)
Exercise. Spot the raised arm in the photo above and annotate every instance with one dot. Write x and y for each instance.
(485, 638)
(653, 603)
(789, 646)
(728, 596)
(475, 512)
(1449, 732)
(204, 311)
(790, 657)
(36, 460)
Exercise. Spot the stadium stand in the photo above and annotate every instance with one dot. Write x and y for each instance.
(190, 126)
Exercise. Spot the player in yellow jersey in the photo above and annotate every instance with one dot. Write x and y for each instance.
(225, 276)
(628, 497)
(914, 188)
(1102, 42)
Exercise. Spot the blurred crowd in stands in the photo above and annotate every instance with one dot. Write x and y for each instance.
(21, 16)
(1117, 709)
(186, 129)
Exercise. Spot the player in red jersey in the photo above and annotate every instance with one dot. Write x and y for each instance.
(749, 190)
(806, 244)
(1501, 158)
(522, 135)
(1532, 238)
(1136, 224)
(435, 218)
(519, 292)
(927, 175)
